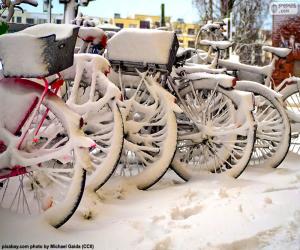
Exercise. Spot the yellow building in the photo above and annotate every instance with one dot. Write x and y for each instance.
(186, 33)
(138, 21)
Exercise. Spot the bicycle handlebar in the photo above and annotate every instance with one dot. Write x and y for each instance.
(30, 2)
(11, 5)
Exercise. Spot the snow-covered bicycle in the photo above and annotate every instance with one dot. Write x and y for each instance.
(148, 110)
(273, 128)
(216, 128)
(44, 153)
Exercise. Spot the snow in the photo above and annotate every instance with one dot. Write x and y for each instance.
(33, 63)
(32, 51)
(281, 52)
(217, 44)
(224, 80)
(86, 33)
(141, 45)
(42, 30)
(233, 65)
(259, 210)
(194, 68)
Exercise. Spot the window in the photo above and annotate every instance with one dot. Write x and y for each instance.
(40, 21)
(297, 69)
(144, 24)
(19, 19)
(132, 25)
(191, 31)
(58, 21)
(178, 31)
(13, 19)
(120, 25)
(117, 15)
(30, 20)
(191, 44)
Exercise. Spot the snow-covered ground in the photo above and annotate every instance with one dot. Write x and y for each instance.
(260, 210)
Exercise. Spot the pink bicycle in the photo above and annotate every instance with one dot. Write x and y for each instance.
(44, 154)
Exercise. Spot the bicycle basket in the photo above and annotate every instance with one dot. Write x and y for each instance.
(142, 49)
(38, 51)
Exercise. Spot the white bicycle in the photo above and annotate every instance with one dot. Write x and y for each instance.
(216, 128)
(273, 128)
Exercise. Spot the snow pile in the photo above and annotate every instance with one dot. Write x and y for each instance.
(42, 30)
(260, 210)
(224, 80)
(216, 44)
(141, 45)
(30, 60)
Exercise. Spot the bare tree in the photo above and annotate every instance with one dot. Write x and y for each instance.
(247, 19)
(214, 10)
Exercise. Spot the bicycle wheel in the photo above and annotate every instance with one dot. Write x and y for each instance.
(45, 173)
(103, 124)
(212, 135)
(273, 132)
(291, 98)
(150, 133)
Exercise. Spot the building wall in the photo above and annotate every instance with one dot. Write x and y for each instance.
(35, 18)
(186, 33)
(139, 21)
(126, 23)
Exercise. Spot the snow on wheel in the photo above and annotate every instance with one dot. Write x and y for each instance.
(273, 132)
(291, 99)
(150, 132)
(210, 137)
(45, 174)
(88, 92)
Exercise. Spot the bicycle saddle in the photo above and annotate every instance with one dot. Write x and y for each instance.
(210, 27)
(220, 45)
(280, 52)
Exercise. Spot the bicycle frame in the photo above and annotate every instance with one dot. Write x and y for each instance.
(266, 71)
(30, 108)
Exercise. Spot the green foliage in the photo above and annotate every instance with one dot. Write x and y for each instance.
(3, 27)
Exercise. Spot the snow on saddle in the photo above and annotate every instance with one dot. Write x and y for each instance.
(217, 45)
(280, 52)
(38, 51)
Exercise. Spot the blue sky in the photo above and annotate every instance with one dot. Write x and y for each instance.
(174, 8)
(106, 8)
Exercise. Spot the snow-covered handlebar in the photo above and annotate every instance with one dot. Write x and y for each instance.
(11, 5)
